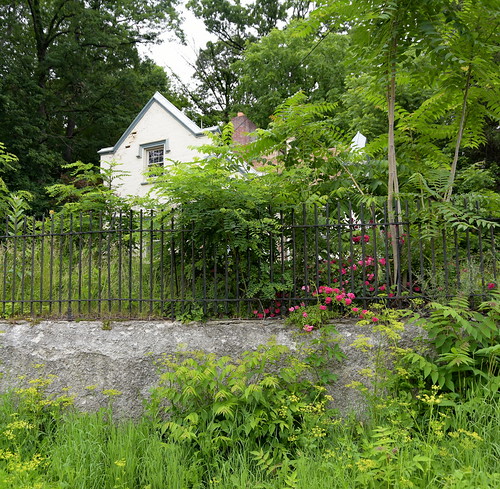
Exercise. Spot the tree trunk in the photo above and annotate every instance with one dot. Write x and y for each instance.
(393, 205)
(453, 170)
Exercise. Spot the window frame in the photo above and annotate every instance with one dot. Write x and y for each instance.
(144, 152)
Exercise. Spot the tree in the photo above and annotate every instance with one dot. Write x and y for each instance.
(237, 26)
(283, 63)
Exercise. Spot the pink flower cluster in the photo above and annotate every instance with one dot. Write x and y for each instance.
(357, 239)
(491, 285)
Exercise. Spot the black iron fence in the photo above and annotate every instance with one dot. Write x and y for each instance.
(142, 264)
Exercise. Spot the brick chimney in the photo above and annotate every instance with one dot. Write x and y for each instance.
(242, 127)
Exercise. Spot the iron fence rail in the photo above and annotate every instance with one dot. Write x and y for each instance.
(140, 264)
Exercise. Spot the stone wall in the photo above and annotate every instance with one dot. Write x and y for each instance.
(88, 357)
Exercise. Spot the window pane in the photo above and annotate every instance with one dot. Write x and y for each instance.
(155, 157)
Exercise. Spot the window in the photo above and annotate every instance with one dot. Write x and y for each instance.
(155, 157)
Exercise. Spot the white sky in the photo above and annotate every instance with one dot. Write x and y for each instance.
(175, 57)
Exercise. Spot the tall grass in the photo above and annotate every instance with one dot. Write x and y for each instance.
(456, 446)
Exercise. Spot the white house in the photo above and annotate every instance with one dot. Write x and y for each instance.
(160, 133)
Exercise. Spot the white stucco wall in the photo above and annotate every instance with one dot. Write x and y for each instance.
(155, 125)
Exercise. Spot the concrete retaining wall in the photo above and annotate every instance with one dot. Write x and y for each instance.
(91, 356)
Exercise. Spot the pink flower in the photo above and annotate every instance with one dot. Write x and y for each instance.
(391, 294)
(367, 282)
(260, 315)
(323, 308)
(355, 309)
(335, 291)
(366, 238)
(382, 288)
(356, 239)
(272, 314)
(382, 261)
(328, 300)
(328, 290)
(348, 302)
(374, 319)
(371, 289)
(308, 328)
(302, 304)
(491, 285)
(291, 309)
(255, 312)
(364, 311)
(297, 307)
(304, 314)
(354, 267)
(351, 295)
(321, 289)
(277, 311)
(266, 311)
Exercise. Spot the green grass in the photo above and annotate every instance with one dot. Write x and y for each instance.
(421, 444)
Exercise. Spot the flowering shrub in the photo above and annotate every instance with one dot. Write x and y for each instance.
(331, 303)
(364, 276)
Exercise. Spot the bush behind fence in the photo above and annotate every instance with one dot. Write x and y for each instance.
(144, 264)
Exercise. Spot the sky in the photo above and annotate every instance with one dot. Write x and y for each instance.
(172, 55)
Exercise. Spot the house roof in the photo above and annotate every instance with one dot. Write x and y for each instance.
(170, 109)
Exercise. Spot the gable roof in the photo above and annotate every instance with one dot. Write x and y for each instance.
(171, 109)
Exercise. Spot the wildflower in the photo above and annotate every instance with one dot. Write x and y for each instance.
(323, 308)
(491, 285)
(374, 319)
(308, 328)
